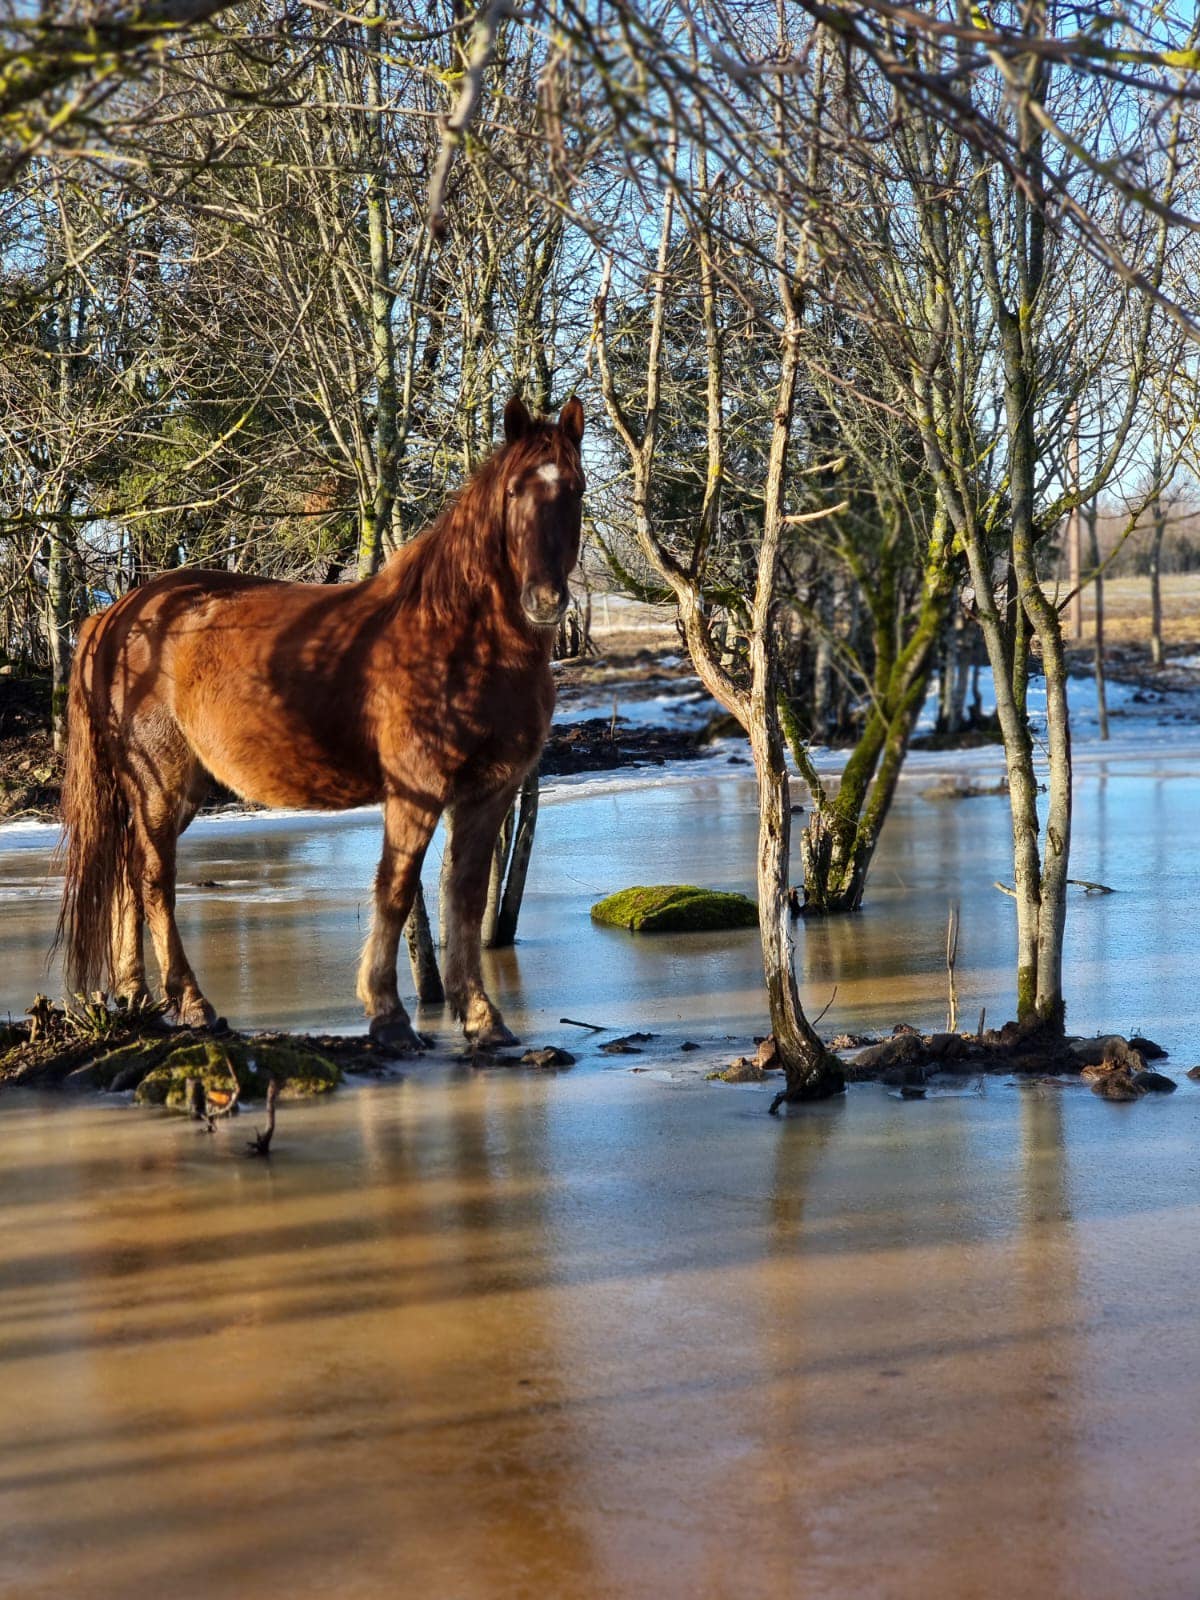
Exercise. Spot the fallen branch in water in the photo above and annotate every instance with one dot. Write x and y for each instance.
(1091, 888)
(594, 1026)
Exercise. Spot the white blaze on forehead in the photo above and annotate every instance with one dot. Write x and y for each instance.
(549, 473)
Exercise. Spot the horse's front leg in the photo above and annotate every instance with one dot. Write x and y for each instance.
(407, 829)
(471, 843)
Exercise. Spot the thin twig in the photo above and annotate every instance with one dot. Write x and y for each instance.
(951, 958)
(825, 1007)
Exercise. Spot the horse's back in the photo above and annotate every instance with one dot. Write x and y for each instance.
(250, 677)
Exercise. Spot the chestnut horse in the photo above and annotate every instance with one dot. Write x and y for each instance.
(426, 687)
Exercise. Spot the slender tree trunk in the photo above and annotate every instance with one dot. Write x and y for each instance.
(427, 980)
(1098, 656)
(500, 859)
(1158, 525)
(1041, 889)
(838, 845)
(518, 870)
(810, 1070)
(59, 586)
(376, 514)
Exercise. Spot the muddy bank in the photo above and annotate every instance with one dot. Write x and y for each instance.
(90, 1046)
(1113, 1067)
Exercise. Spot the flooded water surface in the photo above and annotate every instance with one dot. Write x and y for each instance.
(274, 909)
(481, 1335)
(484, 1336)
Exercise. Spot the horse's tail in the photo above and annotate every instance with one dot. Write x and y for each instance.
(94, 849)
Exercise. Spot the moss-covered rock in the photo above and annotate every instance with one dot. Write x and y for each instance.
(675, 908)
(128, 1064)
(299, 1072)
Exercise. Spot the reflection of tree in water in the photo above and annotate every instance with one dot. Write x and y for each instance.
(1047, 1289)
(797, 1155)
(467, 1171)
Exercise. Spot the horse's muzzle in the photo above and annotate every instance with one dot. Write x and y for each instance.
(544, 606)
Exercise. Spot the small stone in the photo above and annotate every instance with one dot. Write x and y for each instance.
(1092, 1052)
(551, 1056)
(1154, 1082)
(1094, 1071)
(912, 1091)
(1116, 1085)
(743, 1070)
(1147, 1047)
(627, 1045)
(901, 1050)
(688, 1045)
(945, 1046)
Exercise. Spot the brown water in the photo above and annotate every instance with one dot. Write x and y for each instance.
(605, 1334)
(599, 1336)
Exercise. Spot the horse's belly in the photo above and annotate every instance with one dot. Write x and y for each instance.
(277, 763)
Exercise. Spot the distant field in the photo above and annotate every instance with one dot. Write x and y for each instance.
(1127, 610)
(1126, 614)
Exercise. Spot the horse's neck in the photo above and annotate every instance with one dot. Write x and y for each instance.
(466, 593)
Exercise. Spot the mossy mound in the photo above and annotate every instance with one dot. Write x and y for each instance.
(299, 1072)
(675, 908)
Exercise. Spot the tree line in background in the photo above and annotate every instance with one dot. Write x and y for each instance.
(870, 306)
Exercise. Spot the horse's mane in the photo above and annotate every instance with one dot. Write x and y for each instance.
(460, 557)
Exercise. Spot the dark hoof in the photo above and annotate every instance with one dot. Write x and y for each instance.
(497, 1037)
(396, 1036)
(190, 1022)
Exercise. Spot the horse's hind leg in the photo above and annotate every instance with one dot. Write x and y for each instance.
(408, 826)
(472, 841)
(160, 795)
(127, 964)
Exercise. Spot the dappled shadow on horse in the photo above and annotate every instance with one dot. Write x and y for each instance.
(427, 687)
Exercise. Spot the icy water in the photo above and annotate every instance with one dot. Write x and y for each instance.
(617, 1334)
(274, 909)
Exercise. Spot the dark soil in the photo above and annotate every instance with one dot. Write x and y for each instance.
(591, 746)
(1115, 1068)
(973, 735)
(30, 769)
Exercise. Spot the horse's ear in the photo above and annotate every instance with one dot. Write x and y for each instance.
(517, 421)
(571, 419)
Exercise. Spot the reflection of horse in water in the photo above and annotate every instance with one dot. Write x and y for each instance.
(426, 687)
